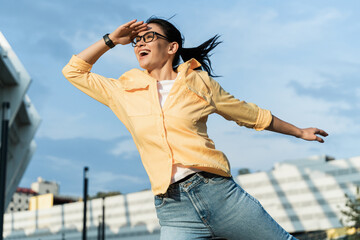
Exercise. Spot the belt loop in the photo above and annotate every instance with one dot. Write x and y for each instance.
(204, 177)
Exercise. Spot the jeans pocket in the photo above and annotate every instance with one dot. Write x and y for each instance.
(214, 179)
(159, 201)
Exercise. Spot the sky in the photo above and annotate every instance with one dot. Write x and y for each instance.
(299, 59)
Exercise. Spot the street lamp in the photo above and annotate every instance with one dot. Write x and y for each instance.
(103, 220)
(3, 150)
(86, 169)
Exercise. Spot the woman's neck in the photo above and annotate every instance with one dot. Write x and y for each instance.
(166, 72)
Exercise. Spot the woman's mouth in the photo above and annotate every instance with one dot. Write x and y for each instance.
(143, 53)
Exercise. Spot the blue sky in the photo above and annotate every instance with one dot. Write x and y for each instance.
(299, 59)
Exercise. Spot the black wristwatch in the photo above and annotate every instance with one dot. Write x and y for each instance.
(108, 41)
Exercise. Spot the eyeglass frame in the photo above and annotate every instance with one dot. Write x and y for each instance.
(134, 44)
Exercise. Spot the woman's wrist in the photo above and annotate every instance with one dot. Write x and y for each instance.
(113, 39)
(108, 41)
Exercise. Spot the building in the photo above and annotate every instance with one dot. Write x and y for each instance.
(42, 194)
(49, 200)
(24, 119)
(304, 196)
(45, 187)
(20, 200)
(130, 216)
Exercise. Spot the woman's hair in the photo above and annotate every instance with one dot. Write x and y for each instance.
(200, 53)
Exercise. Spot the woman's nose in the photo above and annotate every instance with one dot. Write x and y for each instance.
(140, 43)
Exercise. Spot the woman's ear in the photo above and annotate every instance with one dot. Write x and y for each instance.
(173, 47)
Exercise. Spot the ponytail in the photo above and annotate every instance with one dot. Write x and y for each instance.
(200, 53)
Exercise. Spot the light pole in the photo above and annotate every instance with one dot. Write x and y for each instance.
(101, 227)
(3, 150)
(103, 220)
(86, 169)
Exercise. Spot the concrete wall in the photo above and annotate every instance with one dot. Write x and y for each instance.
(303, 195)
(130, 216)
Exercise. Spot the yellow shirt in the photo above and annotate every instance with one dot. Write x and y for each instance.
(176, 133)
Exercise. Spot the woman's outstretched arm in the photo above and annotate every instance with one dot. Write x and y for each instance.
(309, 134)
(122, 35)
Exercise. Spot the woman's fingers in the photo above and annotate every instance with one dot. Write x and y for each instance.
(311, 134)
(128, 24)
(131, 26)
(142, 27)
(137, 25)
(319, 139)
(321, 132)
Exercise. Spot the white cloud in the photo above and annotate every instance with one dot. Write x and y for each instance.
(108, 181)
(127, 149)
(271, 27)
(63, 163)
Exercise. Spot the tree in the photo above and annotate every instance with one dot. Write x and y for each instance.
(105, 194)
(352, 214)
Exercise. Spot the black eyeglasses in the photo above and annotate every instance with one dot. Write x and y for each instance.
(147, 37)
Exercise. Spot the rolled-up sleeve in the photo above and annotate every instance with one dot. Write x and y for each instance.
(77, 72)
(243, 113)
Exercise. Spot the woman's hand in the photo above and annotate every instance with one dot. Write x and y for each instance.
(122, 35)
(310, 134)
(126, 32)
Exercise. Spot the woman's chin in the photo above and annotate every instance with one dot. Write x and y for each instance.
(145, 65)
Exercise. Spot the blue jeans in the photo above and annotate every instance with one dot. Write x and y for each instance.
(208, 206)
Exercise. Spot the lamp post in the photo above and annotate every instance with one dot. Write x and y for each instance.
(101, 227)
(86, 169)
(103, 220)
(3, 150)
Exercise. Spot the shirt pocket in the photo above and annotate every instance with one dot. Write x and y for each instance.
(137, 100)
(190, 103)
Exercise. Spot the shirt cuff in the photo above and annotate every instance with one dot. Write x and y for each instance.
(80, 64)
(263, 120)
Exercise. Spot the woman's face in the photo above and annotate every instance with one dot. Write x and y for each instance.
(153, 54)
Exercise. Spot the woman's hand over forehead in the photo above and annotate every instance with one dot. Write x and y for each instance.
(126, 32)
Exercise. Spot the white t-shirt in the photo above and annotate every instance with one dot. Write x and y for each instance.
(178, 172)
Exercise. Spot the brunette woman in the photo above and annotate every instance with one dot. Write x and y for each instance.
(165, 108)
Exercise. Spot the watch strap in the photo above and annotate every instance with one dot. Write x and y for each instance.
(108, 41)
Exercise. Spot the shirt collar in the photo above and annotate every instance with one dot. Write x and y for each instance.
(186, 67)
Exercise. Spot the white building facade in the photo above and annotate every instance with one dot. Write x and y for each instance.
(129, 217)
(24, 119)
(303, 196)
(307, 194)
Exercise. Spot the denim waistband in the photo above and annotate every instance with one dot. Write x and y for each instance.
(187, 182)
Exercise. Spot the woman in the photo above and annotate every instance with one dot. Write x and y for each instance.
(165, 108)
